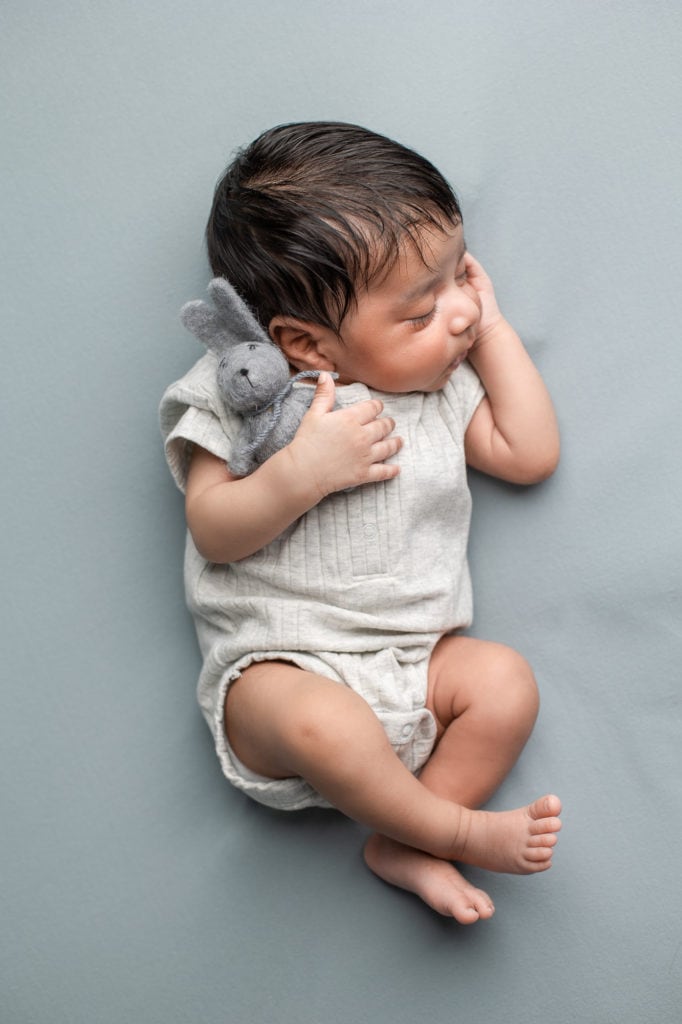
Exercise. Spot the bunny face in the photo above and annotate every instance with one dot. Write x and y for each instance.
(250, 375)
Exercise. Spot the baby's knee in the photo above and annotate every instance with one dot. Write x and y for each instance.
(326, 723)
(280, 720)
(514, 694)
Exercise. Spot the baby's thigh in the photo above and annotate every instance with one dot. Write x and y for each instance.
(274, 705)
(471, 675)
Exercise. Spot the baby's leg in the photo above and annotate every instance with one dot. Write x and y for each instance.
(283, 722)
(484, 699)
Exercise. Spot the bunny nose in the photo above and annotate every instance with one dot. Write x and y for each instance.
(244, 372)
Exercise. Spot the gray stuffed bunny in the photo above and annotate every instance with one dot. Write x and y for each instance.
(253, 376)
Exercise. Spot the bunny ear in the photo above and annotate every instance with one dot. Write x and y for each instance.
(235, 316)
(206, 324)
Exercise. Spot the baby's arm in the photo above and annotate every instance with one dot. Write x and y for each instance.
(513, 434)
(230, 518)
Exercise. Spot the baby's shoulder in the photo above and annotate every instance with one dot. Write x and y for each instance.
(192, 406)
(198, 386)
(462, 394)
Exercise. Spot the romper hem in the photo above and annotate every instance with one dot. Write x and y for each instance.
(407, 722)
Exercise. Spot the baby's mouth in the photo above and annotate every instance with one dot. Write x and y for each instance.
(459, 360)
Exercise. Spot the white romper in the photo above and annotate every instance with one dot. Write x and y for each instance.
(359, 589)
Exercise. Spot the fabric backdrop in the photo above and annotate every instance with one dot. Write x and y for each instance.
(136, 885)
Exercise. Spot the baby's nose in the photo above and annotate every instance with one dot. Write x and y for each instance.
(465, 312)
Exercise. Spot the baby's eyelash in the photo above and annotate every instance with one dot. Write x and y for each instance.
(422, 321)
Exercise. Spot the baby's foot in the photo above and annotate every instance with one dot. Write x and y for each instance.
(436, 881)
(519, 842)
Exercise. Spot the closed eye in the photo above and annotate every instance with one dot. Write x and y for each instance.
(426, 318)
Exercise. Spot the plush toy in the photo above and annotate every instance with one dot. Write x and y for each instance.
(253, 376)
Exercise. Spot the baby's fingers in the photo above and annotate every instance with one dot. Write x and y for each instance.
(325, 395)
(365, 412)
(385, 449)
(381, 469)
(474, 268)
(380, 428)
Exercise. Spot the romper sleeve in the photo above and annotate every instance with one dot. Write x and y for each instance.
(463, 394)
(192, 413)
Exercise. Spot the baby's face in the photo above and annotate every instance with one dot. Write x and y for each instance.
(412, 329)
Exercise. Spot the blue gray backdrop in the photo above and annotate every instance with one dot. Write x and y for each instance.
(136, 886)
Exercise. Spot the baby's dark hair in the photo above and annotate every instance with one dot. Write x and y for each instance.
(310, 212)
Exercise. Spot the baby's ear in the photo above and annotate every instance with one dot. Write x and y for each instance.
(299, 340)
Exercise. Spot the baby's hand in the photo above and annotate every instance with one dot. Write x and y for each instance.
(490, 312)
(339, 448)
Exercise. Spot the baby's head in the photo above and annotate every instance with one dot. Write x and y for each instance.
(310, 213)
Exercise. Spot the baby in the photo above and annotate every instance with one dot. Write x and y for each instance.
(330, 588)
